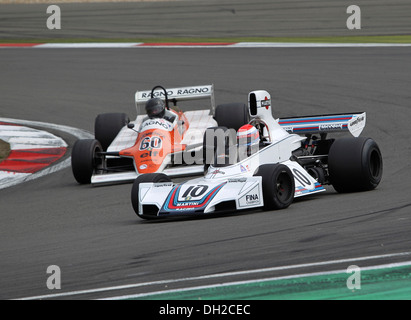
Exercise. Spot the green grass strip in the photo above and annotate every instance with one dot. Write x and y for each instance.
(379, 284)
(346, 39)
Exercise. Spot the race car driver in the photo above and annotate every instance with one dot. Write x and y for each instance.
(248, 141)
(155, 108)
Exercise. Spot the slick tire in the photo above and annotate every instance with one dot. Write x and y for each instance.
(135, 190)
(107, 126)
(84, 159)
(278, 186)
(355, 164)
(232, 115)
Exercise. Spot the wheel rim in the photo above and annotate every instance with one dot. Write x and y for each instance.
(98, 159)
(375, 164)
(283, 187)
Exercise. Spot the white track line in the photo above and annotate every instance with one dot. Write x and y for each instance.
(215, 276)
(314, 45)
(203, 46)
(234, 283)
(78, 133)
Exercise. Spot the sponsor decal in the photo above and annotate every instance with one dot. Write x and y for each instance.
(143, 166)
(266, 103)
(357, 121)
(193, 91)
(178, 92)
(193, 198)
(251, 198)
(156, 123)
(163, 184)
(330, 126)
(156, 94)
(187, 204)
(150, 153)
(234, 180)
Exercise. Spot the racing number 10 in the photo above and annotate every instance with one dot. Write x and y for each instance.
(301, 178)
(195, 191)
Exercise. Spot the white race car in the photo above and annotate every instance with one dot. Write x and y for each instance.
(170, 143)
(294, 158)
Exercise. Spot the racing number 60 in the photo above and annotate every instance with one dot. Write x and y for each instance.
(150, 142)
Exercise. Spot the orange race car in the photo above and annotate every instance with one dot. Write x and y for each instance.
(163, 138)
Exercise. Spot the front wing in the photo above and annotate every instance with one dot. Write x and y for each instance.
(199, 196)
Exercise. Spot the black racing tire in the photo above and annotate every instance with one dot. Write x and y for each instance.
(278, 186)
(84, 159)
(317, 173)
(232, 115)
(107, 126)
(148, 177)
(355, 164)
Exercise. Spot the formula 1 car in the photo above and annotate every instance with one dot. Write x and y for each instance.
(124, 149)
(294, 158)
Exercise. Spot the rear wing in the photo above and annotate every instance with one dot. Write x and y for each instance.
(351, 122)
(175, 95)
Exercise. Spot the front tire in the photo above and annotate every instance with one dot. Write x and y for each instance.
(278, 186)
(355, 164)
(85, 159)
(148, 177)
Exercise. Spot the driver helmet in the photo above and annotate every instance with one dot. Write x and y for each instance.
(248, 138)
(155, 108)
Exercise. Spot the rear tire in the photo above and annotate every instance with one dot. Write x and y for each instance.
(232, 115)
(148, 177)
(84, 159)
(278, 186)
(355, 164)
(107, 126)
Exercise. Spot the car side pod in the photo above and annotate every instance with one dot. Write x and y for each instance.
(278, 185)
(355, 164)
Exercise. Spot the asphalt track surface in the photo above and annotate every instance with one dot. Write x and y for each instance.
(92, 233)
(205, 19)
